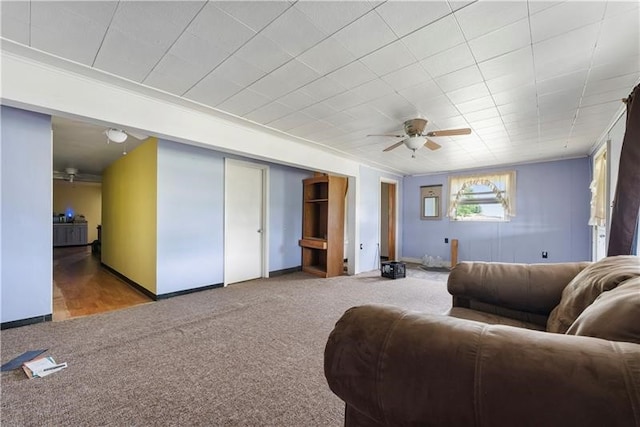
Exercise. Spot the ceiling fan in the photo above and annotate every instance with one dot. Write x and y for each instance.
(414, 137)
(72, 174)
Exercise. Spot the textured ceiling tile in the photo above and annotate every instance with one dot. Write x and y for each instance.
(360, 40)
(330, 16)
(212, 91)
(517, 62)
(298, 100)
(243, 102)
(254, 14)
(619, 82)
(14, 21)
(424, 91)
(565, 53)
(127, 57)
(487, 113)
(559, 83)
(475, 105)
(459, 79)
(269, 112)
(485, 16)
(619, 38)
(468, 93)
(406, 17)
(565, 17)
(323, 88)
(156, 23)
(503, 40)
(514, 95)
(272, 86)
(319, 111)
(296, 74)
(618, 67)
(171, 75)
(235, 70)
(510, 81)
(294, 32)
(326, 56)
(58, 30)
(343, 101)
(263, 54)
(291, 121)
(406, 77)
(451, 60)
(352, 75)
(372, 90)
(388, 59)
(217, 26)
(434, 38)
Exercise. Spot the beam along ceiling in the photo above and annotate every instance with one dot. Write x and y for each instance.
(534, 80)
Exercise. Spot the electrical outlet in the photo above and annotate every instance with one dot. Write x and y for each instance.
(446, 240)
(545, 254)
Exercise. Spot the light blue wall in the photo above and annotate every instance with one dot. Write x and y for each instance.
(191, 216)
(369, 217)
(190, 220)
(285, 216)
(26, 286)
(552, 205)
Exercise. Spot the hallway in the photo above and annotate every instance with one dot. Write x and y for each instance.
(81, 286)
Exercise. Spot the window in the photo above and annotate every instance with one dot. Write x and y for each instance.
(482, 197)
(598, 188)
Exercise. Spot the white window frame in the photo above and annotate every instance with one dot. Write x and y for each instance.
(502, 185)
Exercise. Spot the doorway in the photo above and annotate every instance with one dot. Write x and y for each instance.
(388, 217)
(245, 241)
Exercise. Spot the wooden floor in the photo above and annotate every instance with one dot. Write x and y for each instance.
(81, 286)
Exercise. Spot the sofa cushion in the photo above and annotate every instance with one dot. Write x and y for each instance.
(599, 277)
(614, 315)
(490, 318)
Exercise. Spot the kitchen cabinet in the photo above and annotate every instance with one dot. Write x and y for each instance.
(70, 234)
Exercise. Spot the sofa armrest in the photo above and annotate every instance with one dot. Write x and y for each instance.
(529, 288)
(394, 367)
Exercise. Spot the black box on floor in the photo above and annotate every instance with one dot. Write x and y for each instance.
(393, 269)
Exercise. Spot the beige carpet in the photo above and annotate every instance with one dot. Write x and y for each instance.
(250, 354)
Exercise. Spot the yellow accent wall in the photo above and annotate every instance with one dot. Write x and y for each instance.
(129, 215)
(85, 198)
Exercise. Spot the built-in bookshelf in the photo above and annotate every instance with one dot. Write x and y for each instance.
(323, 225)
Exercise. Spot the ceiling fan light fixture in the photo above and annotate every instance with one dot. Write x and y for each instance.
(116, 135)
(414, 142)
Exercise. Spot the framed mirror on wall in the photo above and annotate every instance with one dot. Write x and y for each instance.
(431, 202)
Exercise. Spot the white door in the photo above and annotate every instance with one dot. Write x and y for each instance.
(244, 232)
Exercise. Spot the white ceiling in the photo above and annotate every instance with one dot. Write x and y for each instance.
(535, 80)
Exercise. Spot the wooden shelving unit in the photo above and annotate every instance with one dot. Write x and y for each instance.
(323, 225)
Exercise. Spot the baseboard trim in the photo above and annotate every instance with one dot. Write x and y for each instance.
(189, 291)
(153, 296)
(25, 322)
(130, 282)
(277, 273)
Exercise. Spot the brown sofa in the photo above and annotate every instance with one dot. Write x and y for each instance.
(523, 345)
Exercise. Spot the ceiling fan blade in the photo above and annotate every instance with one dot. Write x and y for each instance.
(396, 145)
(139, 136)
(431, 145)
(449, 132)
(395, 136)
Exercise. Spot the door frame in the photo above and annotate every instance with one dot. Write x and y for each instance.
(264, 213)
(394, 220)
